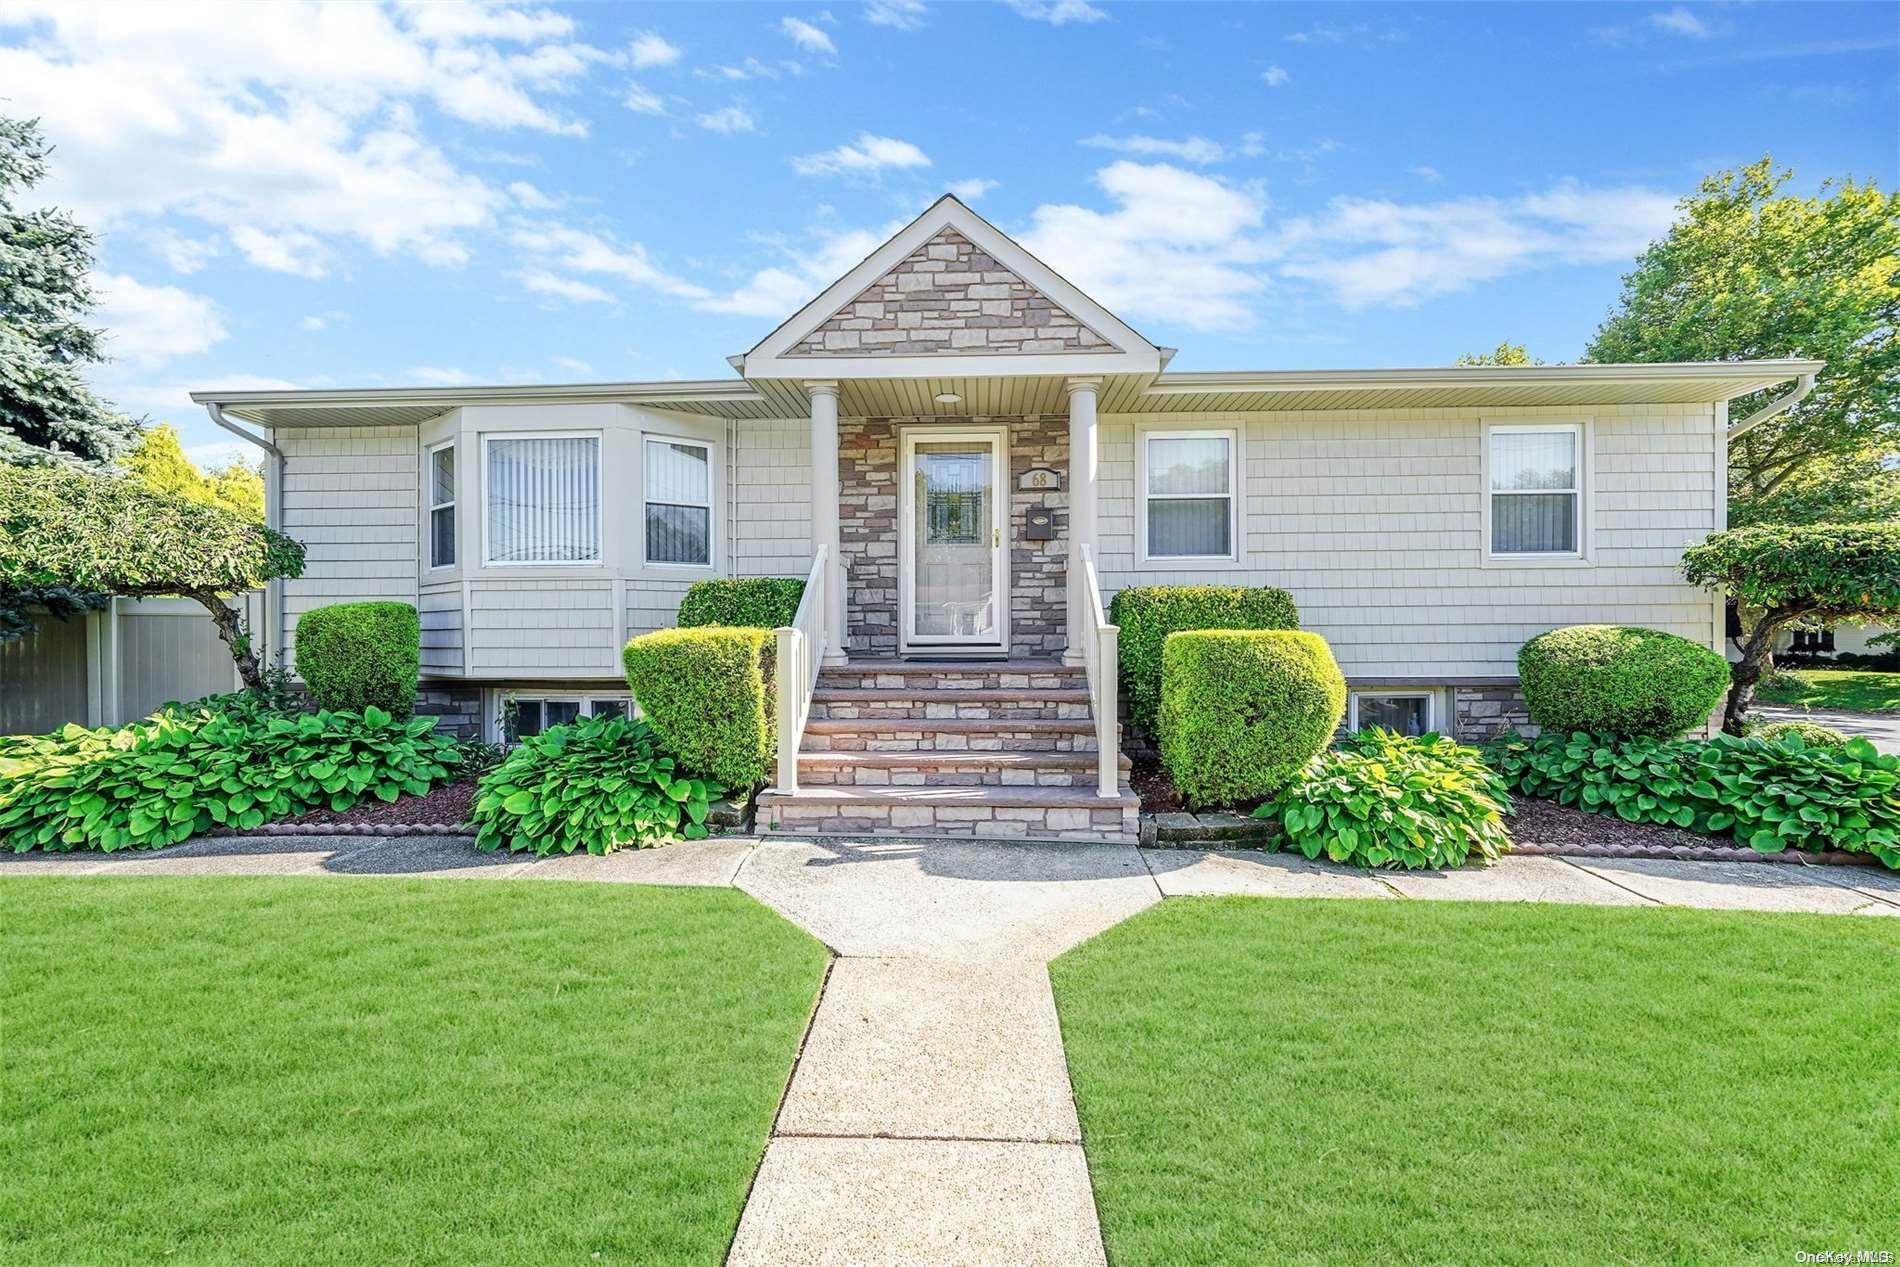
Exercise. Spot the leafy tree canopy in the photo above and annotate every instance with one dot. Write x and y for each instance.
(1506, 353)
(159, 463)
(65, 527)
(47, 412)
(1784, 574)
(1746, 272)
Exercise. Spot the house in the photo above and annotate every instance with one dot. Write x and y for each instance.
(968, 455)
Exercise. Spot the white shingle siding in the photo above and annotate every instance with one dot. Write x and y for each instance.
(541, 629)
(349, 495)
(1374, 521)
(771, 498)
(440, 609)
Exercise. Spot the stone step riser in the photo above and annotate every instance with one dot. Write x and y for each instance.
(874, 776)
(951, 680)
(1112, 824)
(924, 710)
(1000, 739)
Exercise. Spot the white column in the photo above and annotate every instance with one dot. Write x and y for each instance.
(1083, 457)
(824, 511)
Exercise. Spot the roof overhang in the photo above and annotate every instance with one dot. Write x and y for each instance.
(402, 406)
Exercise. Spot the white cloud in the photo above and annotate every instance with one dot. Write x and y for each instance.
(1194, 149)
(572, 364)
(869, 154)
(526, 195)
(729, 120)
(1252, 144)
(1424, 171)
(1275, 76)
(807, 36)
(149, 325)
(541, 282)
(641, 101)
(1680, 21)
(1058, 12)
(905, 15)
(440, 376)
(1179, 246)
(1369, 251)
(971, 190)
(582, 251)
(650, 48)
(782, 289)
(291, 129)
(222, 453)
(184, 255)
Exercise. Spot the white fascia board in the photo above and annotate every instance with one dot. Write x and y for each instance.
(1766, 373)
(450, 397)
(764, 360)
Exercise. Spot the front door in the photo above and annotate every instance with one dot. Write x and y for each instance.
(952, 521)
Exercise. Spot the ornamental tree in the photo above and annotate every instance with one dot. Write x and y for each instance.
(1782, 575)
(62, 527)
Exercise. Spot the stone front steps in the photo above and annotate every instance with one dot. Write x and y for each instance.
(1003, 749)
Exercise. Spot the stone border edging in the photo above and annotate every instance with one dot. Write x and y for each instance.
(348, 829)
(1711, 853)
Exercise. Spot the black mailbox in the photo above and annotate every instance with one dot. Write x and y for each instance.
(1039, 524)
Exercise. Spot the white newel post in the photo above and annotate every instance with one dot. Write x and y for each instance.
(824, 511)
(1083, 454)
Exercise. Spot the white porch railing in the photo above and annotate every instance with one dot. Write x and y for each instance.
(1100, 641)
(801, 649)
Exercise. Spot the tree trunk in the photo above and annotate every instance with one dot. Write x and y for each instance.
(1757, 659)
(231, 629)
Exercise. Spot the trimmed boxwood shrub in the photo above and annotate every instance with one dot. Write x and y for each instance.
(761, 602)
(598, 784)
(1389, 800)
(708, 693)
(355, 656)
(1617, 680)
(1769, 796)
(1810, 734)
(178, 773)
(1243, 710)
(1147, 614)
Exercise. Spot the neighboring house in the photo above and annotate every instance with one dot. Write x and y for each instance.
(1834, 640)
(957, 427)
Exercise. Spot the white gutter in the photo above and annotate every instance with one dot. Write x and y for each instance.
(449, 397)
(273, 518)
(1774, 407)
(1195, 382)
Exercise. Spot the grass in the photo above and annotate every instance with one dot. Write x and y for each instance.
(1315, 1081)
(1848, 690)
(318, 1071)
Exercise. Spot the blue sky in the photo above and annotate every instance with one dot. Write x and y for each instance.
(300, 195)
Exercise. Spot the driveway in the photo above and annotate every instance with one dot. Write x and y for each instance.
(1882, 728)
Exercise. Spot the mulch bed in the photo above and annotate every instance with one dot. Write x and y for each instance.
(443, 812)
(1152, 784)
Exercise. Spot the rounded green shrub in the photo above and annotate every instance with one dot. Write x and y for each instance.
(1147, 614)
(1243, 710)
(1390, 800)
(1811, 734)
(355, 656)
(759, 602)
(1615, 680)
(708, 694)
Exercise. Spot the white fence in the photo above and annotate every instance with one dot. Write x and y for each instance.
(108, 667)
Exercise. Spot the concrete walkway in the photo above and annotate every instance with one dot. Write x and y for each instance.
(1880, 729)
(929, 1117)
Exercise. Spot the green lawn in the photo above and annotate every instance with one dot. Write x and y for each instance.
(1852, 690)
(1375, 1082)
(307, 1071)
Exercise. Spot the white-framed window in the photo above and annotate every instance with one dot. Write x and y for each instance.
(1187, 481)
(1408, 712)
(541, 499)
(1536, 490)
(677, 477)
(442, 505)
(519, 714)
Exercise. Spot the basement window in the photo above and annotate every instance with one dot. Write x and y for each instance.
(1407, 712)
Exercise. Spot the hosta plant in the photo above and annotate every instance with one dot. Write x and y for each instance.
(181, 772)
(1387, 800)
(599, 784)
(1771, 795)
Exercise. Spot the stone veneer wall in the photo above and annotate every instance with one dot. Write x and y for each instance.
(1483, 712)
(457, 710)
(949, 296)
(867, 531)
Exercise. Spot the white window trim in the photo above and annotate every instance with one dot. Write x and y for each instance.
(600, 501)
(455, 517)
(1582, 476)
(499, 697)
(713, 474)
(1143, 496)
(1430, 698)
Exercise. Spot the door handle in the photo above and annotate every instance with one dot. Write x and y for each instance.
(996, 538)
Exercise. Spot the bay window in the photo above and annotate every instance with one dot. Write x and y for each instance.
(442, 506)
(677, 476)
(1536, 489)
(1187, 481)
(542, 499)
